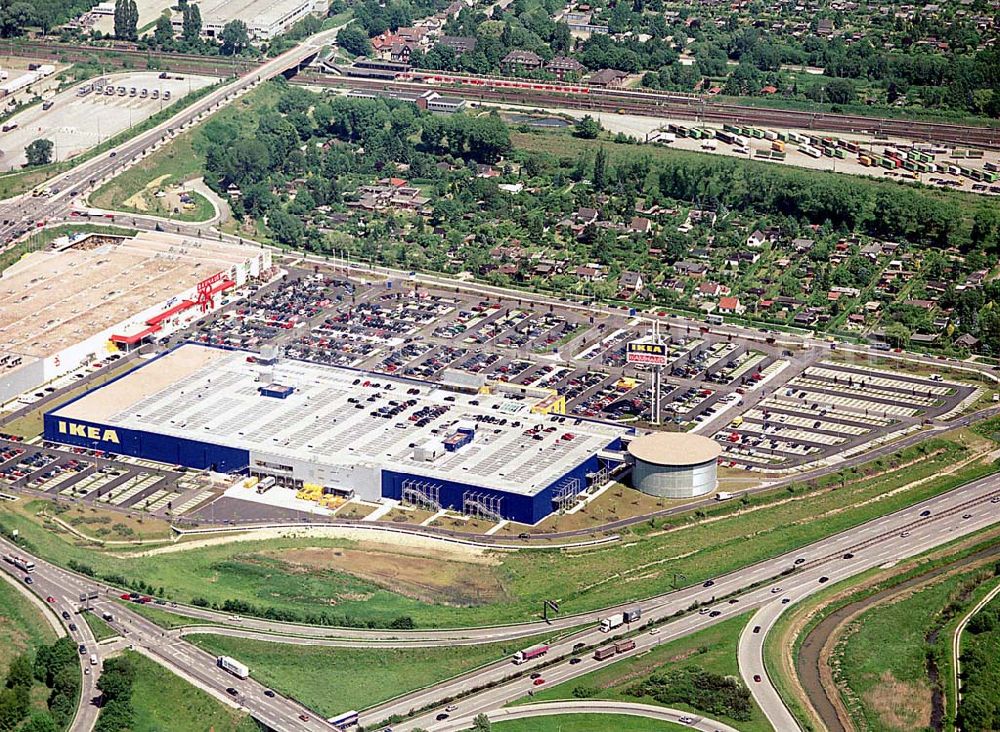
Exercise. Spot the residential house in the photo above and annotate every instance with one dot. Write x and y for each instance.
(730, 306)
(630, 284)
(563, 66)
(640, 225)
(519, 60)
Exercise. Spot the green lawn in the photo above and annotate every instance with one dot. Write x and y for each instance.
(586, 723)
(890, 690)
(259, 572)
(22, 626)
(100, 629)
(333, 680)
(713, 649)
(164, 702)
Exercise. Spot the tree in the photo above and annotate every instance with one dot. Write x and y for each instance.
(163, 34)
(126, 20)
(840, 91)
(191, 24)
(600, 178)
(481, 724)
(235, 38)
(587, 128)
(354, 40)
(40, 722)
(39, 152)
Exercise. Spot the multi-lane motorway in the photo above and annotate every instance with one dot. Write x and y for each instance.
(198, 667)
(767, 584)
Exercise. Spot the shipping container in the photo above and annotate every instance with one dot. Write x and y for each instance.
(606, 652)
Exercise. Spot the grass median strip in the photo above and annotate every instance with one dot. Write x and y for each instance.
(712, 650)
(332, 680)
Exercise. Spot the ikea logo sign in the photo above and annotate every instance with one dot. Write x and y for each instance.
(87, 432)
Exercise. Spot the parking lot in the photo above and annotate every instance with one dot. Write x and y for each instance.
(832, 407)
(91, 475)
(770, 408)
(77, 121)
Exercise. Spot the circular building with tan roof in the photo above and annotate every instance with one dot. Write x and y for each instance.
(674, 464)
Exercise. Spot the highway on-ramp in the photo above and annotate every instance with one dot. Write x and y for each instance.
(592, 706)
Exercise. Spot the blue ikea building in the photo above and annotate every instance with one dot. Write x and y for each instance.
(222, 419)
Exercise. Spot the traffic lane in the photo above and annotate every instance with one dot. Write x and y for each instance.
(182, 658)
(750, 649)
(591, 706)
(896, 546)
(750, 658)
(87, 710)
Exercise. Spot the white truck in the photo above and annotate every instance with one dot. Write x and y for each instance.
(233, 666)
(611, 622)
(723, 496)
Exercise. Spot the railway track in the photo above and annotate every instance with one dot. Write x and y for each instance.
(643, 104)
(627, 101)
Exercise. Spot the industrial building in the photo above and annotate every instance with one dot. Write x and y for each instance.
(674, 464)
(95, 294)
(496, 453)
(265, 19)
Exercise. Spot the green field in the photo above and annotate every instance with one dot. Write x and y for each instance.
(586, 723)
(22, 627)
(712, 649)
(333, 680)
(164, 702)
(890, 690)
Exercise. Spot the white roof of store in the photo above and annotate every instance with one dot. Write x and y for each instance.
(199, 392)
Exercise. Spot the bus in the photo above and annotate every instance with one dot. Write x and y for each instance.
(345, 720)
(714, 319)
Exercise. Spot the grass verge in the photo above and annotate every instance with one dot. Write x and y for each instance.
(586, 723)
(164, 702)
(332, 680)
(100, 629)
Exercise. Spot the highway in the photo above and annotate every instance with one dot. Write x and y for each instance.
(905, 533)
(911, 531)
(279, 713)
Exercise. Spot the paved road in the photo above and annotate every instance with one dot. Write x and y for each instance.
(279, 713)
(956, 641)
(592, 706)
(887, 539)
(86, 711)
(750, 656)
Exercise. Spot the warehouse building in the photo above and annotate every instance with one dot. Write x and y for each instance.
(674, 464)
(265, 19)
(494, 455)
(95, 294)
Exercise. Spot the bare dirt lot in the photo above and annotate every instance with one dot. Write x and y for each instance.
(437, 576)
